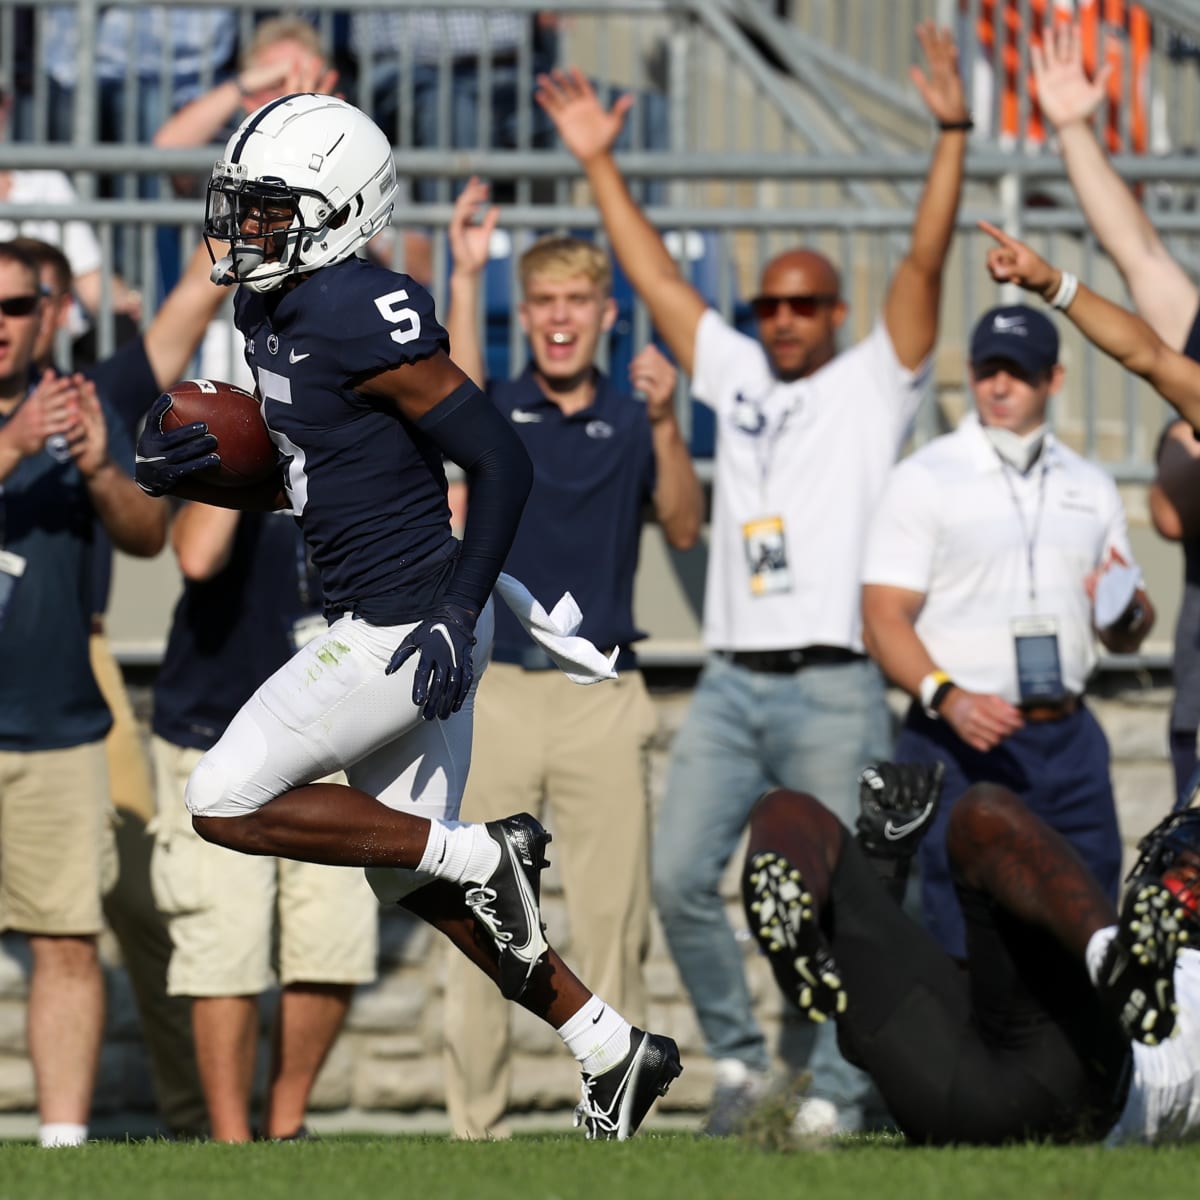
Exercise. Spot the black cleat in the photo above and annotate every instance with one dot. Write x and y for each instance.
(898, 802)
(615, 1103)
(507, 903)
(1137, 975)
(780, 912)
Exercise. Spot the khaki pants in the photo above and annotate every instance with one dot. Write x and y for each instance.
(575, 756)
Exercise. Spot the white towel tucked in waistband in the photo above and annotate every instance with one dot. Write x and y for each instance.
(575, 656)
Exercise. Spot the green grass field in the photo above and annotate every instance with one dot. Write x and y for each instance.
(562, 1167)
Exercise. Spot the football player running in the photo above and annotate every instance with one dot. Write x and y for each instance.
(363, 401)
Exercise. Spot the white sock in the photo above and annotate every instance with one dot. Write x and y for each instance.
(62, 1133)
(597, 1035)
(1097, 946)
(459, 851)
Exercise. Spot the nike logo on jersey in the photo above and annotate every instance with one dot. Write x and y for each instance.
(293, 357)
(521, 417)
(440, 628)
(1009, 325)
(894, 833)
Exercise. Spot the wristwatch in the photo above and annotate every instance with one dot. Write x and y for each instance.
(932, 692)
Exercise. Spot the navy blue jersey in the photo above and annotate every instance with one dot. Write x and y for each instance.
(594, 472)
(366, 485)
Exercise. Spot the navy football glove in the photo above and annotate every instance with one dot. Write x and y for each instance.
(163, 459)
(444, 672)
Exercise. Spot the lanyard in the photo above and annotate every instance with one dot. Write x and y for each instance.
(755, 422)
(1029, 537)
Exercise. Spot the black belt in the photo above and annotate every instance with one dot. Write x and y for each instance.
(534, 658)
(784, 662)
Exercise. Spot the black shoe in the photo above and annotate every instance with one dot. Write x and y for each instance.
(898, 802)
(781, 916)
(1137, 976)
(615, 1102)
(506, 904)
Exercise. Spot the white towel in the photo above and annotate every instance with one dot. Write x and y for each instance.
(575, 656)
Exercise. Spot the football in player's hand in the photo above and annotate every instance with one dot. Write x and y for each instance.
(233, 417)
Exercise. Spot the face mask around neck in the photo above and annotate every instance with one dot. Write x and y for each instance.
(1020, 451)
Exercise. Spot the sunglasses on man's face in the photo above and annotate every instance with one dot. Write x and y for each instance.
(19, 306)
(765, 307)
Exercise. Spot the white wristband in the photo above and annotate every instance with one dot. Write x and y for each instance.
(1068, 285)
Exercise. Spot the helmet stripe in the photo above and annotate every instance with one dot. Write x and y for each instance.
(254, 123)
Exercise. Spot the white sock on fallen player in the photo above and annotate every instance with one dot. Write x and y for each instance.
(459, 851)
(597, 1035)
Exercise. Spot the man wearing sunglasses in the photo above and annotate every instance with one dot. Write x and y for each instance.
(56, 846)
(994, 559)
(787, 696)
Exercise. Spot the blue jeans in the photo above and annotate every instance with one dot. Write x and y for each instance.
(746, 732)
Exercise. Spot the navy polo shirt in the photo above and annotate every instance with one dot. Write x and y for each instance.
(230, 632)
(48, 696)
(125, 383)
(593, 473)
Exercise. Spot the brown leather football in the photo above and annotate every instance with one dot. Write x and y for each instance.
(233, 417)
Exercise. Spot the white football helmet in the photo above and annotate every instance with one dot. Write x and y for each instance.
(305, 181)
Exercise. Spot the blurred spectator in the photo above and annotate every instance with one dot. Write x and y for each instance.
(542, 742)
(984, 581)
(129, 381)
(787, 696)
(56, 845)
(250, 599)
(168, 53)
(285, 56)
(77, 238)
(456, 55)
(1165, 296)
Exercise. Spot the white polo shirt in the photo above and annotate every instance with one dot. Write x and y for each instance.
(958, 525)
(811, 455)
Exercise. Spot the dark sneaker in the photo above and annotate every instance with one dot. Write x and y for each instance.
(781, 915)
(1137, 976)
(898, 802)
(506, 904)
(615, 1102)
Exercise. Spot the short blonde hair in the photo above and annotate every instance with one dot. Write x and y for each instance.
(287, 28)
(563, 257)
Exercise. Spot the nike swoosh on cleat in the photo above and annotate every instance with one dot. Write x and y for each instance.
(530, 911)
(894, 833)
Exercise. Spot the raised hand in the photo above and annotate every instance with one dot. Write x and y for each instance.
(52, 408)
(1012, 261)
(88, 440)
(587, 129)
(940, 84)
(1064, 92)
(471, 227)
(653, 376)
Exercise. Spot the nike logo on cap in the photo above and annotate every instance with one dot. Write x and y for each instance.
(1014, 324)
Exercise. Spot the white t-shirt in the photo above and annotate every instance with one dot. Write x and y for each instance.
(808, 458)
(75, 238)
(1164, 1093)
(957, 525)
